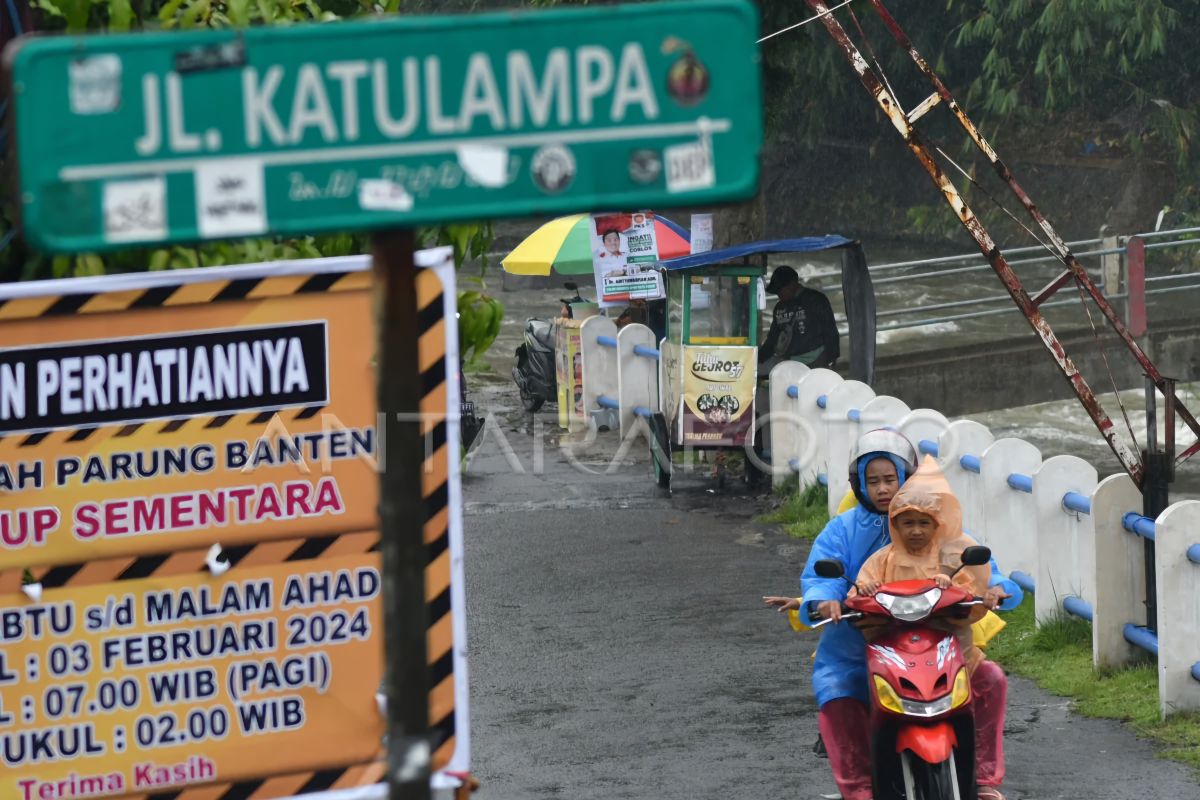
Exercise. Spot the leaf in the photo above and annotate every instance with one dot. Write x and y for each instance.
(120, 15)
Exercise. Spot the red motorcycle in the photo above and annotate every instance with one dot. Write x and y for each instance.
(922, 727)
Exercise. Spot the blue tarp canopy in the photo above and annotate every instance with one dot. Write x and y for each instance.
(803, 244)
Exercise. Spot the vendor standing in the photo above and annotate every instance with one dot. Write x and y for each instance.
(802, 327)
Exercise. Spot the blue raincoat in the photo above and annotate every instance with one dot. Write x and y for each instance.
(840, 669)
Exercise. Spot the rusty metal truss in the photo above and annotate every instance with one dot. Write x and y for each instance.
(878, 87)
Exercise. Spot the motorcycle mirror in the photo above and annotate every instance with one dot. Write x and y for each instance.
(976, 556)
(829, 568)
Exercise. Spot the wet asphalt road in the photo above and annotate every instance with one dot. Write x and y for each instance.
(619, 648)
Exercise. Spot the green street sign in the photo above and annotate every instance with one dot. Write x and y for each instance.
(166, 137)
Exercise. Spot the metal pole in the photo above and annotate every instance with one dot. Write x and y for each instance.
(1159, 468)
(401, 514)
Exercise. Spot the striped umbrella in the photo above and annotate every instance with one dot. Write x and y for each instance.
(565, 245)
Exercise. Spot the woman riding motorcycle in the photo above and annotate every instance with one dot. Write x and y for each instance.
(882, 460)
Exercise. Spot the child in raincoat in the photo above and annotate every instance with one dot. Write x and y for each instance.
(927, 544)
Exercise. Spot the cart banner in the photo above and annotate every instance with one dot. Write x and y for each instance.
(143, 423)
(623, 245)
(718, 395)
(120, 689)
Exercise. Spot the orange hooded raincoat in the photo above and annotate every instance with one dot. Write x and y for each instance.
(928, 492)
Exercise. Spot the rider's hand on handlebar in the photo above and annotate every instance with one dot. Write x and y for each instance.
(831, 610)
(783, 603)
(942, 581)
(866, 588)
(994, 596)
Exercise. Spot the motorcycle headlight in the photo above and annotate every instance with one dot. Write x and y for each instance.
(887, 696)
(891, 701)
(909, 608)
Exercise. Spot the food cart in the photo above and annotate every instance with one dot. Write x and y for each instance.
(708, 364)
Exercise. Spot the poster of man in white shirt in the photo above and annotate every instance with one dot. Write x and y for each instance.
(624, 248)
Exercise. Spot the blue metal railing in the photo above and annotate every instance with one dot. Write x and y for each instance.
(928, 447)
(794, 464)
(1136, 523)
(823, 479)
(1078, 607)
(1022, 483)
(1022, 580)
(1077, 502)
(643, 412)
(822, 401)
(970, 464)
(793, 392)
(647, 352)
(853, 415)
(606, 341)
(1143, 638)
(607, 402)
(1193, 554)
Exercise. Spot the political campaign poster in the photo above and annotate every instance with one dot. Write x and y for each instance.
(189, 537)
(624, 248)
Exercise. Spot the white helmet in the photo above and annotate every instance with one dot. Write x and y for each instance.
(881, 441)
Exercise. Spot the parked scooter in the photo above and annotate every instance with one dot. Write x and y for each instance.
(922, 730)
(535, 373)
(469, 425)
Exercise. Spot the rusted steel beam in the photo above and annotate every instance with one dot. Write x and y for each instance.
(1191, 451)
(1059, 246)
(1052, 287)
(924, 107)
(891, 107)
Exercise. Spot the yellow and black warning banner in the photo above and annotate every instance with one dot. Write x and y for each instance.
(177, 417)
(141, 426)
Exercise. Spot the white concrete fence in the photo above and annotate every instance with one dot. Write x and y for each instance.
(1074, 540)
(620, 370)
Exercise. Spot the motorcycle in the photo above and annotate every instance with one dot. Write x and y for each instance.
(469, 425)
(922, 730)
(535, 372)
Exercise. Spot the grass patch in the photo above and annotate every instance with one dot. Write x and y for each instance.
(801, 513)
(1058, 657)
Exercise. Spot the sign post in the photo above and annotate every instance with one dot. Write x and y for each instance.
(401, 501)
(153, 138)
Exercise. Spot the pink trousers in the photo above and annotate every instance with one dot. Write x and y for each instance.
(844, 725)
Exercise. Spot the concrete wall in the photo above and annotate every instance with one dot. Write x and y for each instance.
(1019, 371)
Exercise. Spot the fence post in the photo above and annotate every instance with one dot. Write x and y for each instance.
(1065, 539)
(1110, 263)
(817, 383)
(599, 363)
(784, 433)
(966, 438)
(637, 376)
(1010, 513)
(923, 424)
(1135, 276)
(1175, 532)
(1119, 569)
(882, 411)
(845, 396)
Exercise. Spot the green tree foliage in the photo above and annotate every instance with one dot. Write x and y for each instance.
(1115, 75)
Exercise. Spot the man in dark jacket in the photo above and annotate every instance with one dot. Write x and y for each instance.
(802, 329)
